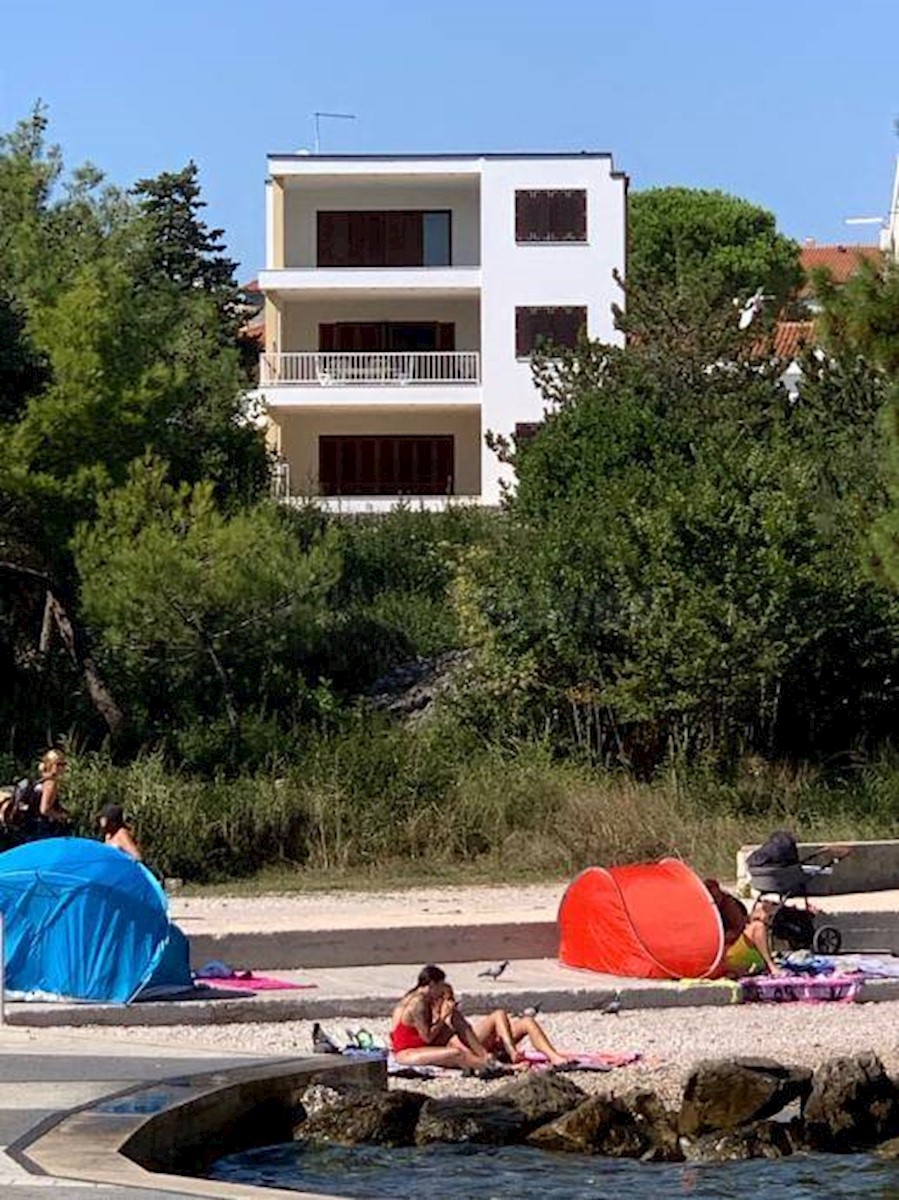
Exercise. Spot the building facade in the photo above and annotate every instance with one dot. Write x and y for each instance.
(403, 299)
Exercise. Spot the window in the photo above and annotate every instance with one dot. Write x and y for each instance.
(402, 465)
(363, 336)
(537, 327)
(551, 216)
(384, 239)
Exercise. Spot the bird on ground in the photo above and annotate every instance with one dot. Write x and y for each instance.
(493, 972)
(613, 1007)
(532, 1011)
(322, 1043)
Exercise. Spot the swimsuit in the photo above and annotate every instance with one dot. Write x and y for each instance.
(742, 958)
(406, 1037)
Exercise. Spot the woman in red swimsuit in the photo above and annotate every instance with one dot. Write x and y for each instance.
(429, 1030)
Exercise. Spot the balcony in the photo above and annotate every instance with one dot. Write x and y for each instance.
(371, 369)
(353, 282)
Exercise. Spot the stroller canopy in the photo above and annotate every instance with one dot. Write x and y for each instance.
(81, 920)
(650, 921)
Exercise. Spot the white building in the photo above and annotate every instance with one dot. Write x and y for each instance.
(403, 297)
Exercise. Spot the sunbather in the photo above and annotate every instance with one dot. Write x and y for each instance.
(750, 952)
(430, 1030)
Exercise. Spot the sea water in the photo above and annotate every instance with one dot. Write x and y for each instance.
(522, 1173)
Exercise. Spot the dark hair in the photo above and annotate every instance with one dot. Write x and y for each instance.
(430, 974)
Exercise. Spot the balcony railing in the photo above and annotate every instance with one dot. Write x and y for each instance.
(342, 369)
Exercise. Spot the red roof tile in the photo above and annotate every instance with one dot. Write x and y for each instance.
(841, 261)
(792, 337)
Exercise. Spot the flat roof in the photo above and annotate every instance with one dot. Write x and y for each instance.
(440, 157)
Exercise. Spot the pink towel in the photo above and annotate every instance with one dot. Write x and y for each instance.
(248, 982)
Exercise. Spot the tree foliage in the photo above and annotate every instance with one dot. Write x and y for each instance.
(688, 237)
(214, 612)
(684, 560)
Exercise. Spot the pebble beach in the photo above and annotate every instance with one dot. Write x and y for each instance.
(669, 1041)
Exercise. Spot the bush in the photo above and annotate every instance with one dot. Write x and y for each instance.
(377, 798)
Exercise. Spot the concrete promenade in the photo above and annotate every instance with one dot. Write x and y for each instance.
(45, 1074)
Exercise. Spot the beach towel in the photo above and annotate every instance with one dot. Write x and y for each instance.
(785, 989)
(246, 981)
(583, 1061)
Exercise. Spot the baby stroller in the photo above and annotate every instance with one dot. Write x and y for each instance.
(775, 869)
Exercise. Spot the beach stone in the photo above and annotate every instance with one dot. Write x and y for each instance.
(364, 1118)
(318, 1096)
(852, 1104)
(888, 1149)
(540, 1096)
(481, 1120)
(634, 1125)
(762, 1139)
(724, 1093)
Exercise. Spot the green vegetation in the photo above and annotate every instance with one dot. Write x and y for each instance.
(680, 632)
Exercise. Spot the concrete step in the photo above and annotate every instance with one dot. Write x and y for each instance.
(371, 992)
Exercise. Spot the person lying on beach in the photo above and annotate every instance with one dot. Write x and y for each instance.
(430, 1030)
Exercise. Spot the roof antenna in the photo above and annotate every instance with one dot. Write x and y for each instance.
(317, 116)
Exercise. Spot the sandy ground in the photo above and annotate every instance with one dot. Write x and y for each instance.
(670, 1040)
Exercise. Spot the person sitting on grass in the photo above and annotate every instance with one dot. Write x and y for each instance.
(430, 1030)
(116, 832)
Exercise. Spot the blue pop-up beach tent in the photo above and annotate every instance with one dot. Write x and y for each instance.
(81, 920)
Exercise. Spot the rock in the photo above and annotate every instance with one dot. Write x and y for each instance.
(540, 1096)
(483, 1121)
(634, 1125)
(725, 1093)
(318, 1096)
(763, 1139)
(410, 691)
(364, 1118)
(852, 1104)
(888, 1149)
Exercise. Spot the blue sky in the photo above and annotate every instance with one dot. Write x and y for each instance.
(788, 103)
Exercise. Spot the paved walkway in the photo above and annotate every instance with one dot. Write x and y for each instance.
(44, 1074)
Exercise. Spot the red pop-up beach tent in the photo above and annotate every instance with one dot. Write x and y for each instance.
(649, 921)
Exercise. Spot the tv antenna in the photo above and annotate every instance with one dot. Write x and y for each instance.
(329, 116)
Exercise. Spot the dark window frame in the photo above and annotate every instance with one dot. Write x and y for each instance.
(540, 216)
(379, 219)
(558, 326)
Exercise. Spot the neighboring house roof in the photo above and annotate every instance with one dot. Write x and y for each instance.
(841, 261)
(792, 337)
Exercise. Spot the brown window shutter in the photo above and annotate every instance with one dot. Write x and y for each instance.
(568, 215)
(446, 336)
(524, 337)
(327, 338)
(566, 325)
(333, 240)
(404, 239)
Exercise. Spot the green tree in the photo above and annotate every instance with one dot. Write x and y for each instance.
(685, 237)
(204, 615)
(861, 317)
(683, 566)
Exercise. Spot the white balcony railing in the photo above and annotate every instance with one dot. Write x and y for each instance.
(343, 369)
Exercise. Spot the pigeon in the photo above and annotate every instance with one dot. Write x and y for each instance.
(322, 1043)
(493, 972)
(613, 1008)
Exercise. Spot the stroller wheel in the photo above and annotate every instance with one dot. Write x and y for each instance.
(827, 940)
